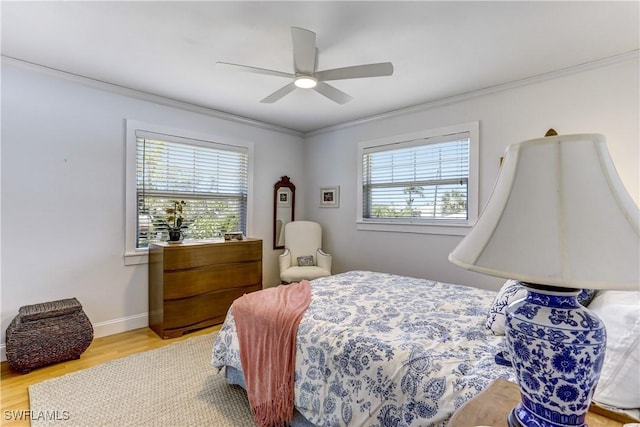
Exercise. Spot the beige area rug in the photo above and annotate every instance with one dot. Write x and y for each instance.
(171, 386)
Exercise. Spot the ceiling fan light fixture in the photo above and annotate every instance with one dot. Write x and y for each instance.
(305, 82)
(305, 76)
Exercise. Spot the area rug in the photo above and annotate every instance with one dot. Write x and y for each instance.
(171, 386)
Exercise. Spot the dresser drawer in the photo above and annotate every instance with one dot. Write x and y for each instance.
(195, 256)
(181, 314)
(187, 283)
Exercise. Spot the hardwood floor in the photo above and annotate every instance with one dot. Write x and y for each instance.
(14, 396)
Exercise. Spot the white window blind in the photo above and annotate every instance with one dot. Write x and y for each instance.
(422, 180)
(210, 178)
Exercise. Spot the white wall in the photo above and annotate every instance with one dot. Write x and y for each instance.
(63, 147)
(603, 100)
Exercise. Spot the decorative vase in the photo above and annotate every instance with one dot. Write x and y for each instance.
(557, 348)
(174, 235)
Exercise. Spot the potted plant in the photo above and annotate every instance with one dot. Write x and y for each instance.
(175, 218)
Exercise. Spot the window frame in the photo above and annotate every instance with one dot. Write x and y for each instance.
(448, 227)
(133, 255)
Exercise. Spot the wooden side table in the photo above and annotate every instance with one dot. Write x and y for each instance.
(492, 406)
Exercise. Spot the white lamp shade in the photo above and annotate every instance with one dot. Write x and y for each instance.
(558, 215)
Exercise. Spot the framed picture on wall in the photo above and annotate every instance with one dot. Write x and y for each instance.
(330, 197)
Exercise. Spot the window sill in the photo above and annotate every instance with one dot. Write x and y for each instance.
(136, 258)
(453, 229)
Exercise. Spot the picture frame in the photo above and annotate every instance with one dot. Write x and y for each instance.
(330, 197)
(284, 198)
(233, 236)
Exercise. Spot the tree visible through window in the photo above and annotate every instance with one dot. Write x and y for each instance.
(419, 180)
(211, 180)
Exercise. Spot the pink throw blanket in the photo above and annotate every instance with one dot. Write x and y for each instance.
(267, 323)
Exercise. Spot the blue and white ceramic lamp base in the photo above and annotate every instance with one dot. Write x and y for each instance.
(557, 348)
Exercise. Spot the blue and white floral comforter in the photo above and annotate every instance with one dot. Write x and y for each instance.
(376, 349)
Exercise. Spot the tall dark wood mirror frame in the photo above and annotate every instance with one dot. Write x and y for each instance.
(284, 209)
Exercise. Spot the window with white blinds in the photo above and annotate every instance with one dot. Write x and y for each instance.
(424, 180)
(211, 179)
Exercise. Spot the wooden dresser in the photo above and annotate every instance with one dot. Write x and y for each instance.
(192, 284)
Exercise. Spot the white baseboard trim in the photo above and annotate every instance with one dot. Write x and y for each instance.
(108, 327)
(123, 324)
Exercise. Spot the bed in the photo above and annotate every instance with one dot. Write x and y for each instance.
(376, 349)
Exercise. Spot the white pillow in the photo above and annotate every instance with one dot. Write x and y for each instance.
(512, 290)
(619, 383)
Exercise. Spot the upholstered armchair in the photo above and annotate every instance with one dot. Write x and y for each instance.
(303, 257)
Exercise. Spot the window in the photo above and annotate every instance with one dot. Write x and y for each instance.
(424, 182)
(211, 178)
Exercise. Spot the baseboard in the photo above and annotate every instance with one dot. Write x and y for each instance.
(103, 329)
(123, 324)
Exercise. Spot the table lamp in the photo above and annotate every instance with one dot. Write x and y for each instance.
(559, 220)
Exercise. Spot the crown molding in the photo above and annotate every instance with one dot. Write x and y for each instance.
(146, 96)
(633, 55)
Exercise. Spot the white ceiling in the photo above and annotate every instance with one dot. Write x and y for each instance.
(438, 49)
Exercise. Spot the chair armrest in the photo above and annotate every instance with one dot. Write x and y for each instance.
(323, 260)
(285, 260)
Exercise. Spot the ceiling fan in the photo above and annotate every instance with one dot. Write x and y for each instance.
(305, 55)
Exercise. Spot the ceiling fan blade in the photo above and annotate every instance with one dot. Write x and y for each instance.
(332, 93)
(304, 50)
(249, 69)
(279, 93)
(357, 71)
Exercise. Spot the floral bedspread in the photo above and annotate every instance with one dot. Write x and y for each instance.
(376, 349)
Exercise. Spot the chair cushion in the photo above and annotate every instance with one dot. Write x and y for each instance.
(295, 274)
